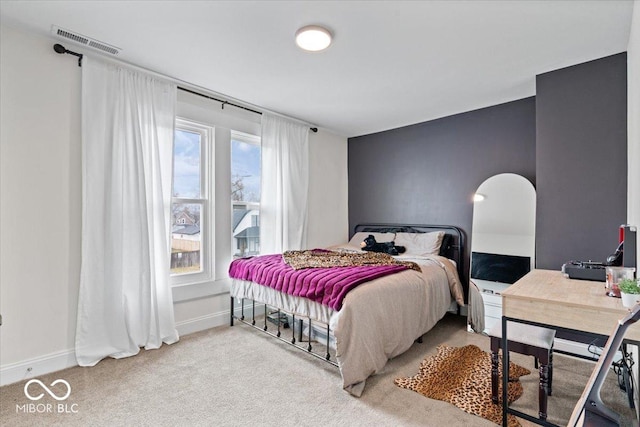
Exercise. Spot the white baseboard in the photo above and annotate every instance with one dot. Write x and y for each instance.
(32, 368)
(572, 347)
(202, 323)
(47, 364)
(579, 349)
(53, 362)
(212, 320)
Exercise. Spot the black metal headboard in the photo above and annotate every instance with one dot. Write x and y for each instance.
(452, 244)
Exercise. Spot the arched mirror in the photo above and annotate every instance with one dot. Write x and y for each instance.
(502, 239)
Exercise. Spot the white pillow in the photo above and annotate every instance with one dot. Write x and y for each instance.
(380, 237)
(422, 244)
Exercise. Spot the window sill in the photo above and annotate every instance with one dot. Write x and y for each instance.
(192, 291)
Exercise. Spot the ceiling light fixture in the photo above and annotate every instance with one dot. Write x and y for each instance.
(313, 38)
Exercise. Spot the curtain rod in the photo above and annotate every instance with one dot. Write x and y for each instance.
(227, 103)
(62, 50)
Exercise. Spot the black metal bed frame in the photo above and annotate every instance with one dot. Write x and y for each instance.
(284, 325)
(452, 247)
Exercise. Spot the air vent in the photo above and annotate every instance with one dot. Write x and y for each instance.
(97, 45)
(84, 40)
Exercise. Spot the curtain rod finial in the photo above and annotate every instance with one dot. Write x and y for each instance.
(61, 49)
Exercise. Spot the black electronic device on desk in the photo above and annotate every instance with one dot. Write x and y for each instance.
(590, 270)
(585, 270)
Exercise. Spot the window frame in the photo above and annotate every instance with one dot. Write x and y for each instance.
(206, 202)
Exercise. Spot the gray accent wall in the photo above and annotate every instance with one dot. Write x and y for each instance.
(427, 173)
(569, 141)
(581, 168)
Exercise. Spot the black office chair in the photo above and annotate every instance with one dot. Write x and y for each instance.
(590, 411)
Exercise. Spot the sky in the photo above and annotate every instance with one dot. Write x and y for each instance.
(186, 164)
(245, 162)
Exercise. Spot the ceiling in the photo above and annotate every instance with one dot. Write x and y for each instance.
(391, 63)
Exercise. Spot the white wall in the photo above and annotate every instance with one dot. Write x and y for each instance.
(40, 212)
(40, 209)
(633, 124)
(327, 190)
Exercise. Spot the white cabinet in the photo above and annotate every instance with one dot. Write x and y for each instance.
(492, 298)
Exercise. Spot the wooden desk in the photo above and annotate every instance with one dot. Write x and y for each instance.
(548, 298)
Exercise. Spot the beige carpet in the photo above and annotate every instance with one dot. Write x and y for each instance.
(232, 376)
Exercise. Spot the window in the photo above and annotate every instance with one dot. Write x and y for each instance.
(190, 204)
(216, 127)
(245, 194)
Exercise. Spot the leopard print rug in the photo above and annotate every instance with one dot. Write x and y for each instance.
(462, 377)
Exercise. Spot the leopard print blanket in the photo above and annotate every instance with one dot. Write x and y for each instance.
(320, 258)
(462, 377)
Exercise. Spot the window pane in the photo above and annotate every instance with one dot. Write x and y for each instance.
(246, 229)
(186, 164)
(186, 238)
(245, 171)
(245, 196)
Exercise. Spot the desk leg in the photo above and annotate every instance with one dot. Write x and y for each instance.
(627, 374)
(636, 383)
(505, 371)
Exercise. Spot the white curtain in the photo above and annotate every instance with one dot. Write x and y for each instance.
(127, 140)
(285, 185)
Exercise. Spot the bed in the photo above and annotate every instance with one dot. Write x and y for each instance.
(376, 320)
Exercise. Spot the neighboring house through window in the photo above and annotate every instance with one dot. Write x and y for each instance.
(245, 193)
(190, 207)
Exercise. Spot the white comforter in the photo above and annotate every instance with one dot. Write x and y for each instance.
(379, 319)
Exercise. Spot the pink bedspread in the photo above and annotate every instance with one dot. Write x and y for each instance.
(327, 286)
